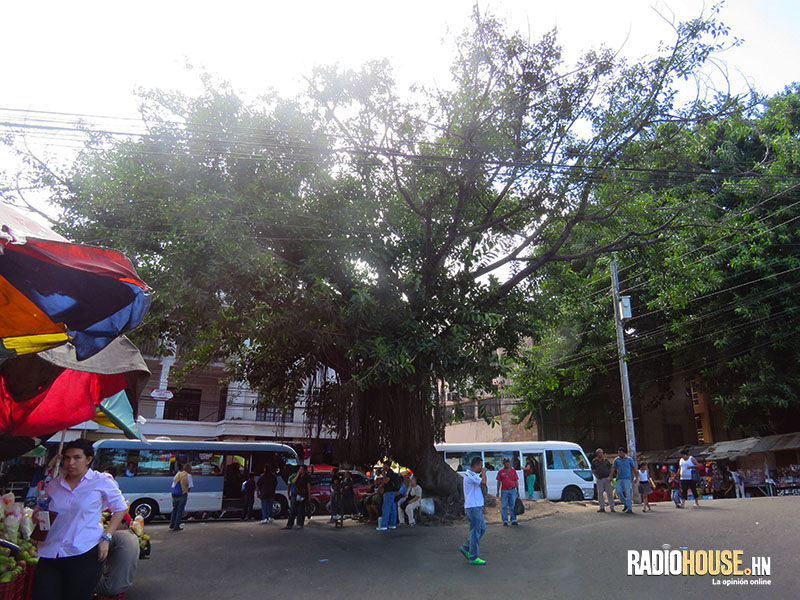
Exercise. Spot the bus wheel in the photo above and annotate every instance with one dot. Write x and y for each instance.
(145, 508)
(571, 494)
(279, 507)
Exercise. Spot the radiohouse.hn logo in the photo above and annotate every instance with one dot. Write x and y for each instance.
(725, 566)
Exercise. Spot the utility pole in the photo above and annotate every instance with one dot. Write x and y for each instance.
(619, 315)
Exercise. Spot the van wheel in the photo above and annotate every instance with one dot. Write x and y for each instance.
(572, 494)
(145, 508)
(280, 508)
(312, 508)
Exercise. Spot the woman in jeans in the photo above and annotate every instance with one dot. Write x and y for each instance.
(71, 556)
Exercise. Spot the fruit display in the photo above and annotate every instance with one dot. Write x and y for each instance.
(17, 552)
(137, 527)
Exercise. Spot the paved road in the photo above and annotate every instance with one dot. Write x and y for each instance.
(575, 555)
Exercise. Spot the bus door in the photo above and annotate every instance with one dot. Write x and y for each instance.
(539, 482)
(236, 468)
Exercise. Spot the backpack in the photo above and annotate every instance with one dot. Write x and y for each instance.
(177, 490)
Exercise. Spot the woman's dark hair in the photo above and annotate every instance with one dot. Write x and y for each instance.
(80, 444)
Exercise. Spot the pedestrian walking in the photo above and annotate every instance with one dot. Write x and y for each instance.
(690, 475)
(675, 487)
(248, 496)
(624, 470)
(645, 487)
(266, 485)
(601, 469)
(301, 496)
(474, 478)
(180, 496)
(507, 491)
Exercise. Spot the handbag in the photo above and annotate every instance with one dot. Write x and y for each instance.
(519, 507)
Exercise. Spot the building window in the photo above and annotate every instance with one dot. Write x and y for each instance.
(223, 403)
(184, 406)
(489, 407)
(698, 423)
(271, 414)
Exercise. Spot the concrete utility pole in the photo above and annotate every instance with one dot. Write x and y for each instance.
(630, 433)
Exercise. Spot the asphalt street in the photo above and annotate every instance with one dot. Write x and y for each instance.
(571, 555)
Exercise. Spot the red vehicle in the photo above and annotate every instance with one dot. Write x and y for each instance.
(321, 489)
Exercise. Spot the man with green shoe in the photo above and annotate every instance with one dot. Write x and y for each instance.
(473, 507)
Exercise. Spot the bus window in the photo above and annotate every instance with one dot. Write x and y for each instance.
(207, 463)
(117, 458)
(159, 462)
(493, 460)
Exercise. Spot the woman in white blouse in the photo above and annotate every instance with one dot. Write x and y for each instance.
(71, 557)
(413, 501)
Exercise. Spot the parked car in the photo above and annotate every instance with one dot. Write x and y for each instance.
(321, 489)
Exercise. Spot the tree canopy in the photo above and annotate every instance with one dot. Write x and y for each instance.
(394, 241)
(714, 301)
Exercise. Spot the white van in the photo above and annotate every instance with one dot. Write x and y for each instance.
(562, 470)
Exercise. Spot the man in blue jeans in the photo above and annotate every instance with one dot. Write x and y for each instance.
(391, 485)
(180, 494)
(507, 491)
(624, 469)
(473, 507)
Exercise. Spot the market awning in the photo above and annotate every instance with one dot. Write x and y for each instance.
(653, 457)
(732, 449)
(699, 452)
(773, 443)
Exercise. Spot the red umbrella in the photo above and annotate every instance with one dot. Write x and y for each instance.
(45, 392)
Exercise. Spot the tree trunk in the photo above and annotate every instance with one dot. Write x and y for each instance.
(434, 475)
(403, 422)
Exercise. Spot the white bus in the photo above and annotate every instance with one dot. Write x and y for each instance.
(145, 471)
(562, 470)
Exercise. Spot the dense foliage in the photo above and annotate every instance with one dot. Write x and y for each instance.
(716, 301)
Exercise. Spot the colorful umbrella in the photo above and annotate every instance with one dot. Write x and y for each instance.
(52, 291)
(52, 390)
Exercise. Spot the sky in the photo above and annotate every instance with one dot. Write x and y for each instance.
(89, 57)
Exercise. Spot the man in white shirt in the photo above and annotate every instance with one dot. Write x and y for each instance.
(688, 466)
(473, 507)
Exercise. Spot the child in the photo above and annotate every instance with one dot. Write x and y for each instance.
(675, 488)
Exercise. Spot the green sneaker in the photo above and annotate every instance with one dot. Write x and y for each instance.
(477, 561)
(465, 553)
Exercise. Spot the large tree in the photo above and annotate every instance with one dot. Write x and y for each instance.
(715, 301)
(391, 241)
